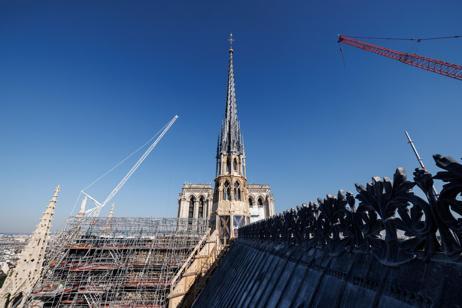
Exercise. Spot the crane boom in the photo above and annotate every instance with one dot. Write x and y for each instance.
(99, 205)
(425, 63)
(414, 149)
(419, 159)
(138, 163)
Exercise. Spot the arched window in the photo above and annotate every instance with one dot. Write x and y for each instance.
(235, 165)
(250, 201)
(201, 207)
(191, 207)
(260, 201)
(237, 191)
(228, 165)
(226, 191)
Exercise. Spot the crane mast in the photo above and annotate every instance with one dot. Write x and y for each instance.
(425, 63)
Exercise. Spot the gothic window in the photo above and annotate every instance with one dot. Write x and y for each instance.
(260, 201)
(228, 166)
(237, 191)
(250, 201)
(235, 166)
(191, 207)
(226, 191)
(201, 207)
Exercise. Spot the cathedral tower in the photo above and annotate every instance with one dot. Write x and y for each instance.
(230, 205)
(232, 202)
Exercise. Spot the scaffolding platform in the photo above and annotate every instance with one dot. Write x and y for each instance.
(116, 262)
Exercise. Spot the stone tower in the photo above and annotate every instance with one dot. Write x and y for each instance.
(230, 206)
(24, 275)
(232, 202)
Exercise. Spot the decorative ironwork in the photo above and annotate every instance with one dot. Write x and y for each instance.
(386, 218)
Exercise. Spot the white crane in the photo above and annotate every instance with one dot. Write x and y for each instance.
(417, 155)
(95, 211)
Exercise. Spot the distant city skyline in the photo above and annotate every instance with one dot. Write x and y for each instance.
(83, 84)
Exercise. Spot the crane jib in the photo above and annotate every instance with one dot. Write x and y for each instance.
(98, 206)
(432, 65)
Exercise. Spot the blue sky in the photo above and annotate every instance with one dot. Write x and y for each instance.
(84, 83)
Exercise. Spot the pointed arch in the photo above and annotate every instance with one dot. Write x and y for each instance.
(201, 207)
(237, 191)
(251, 201)
(192, 200)
(260, 201)
(235, 165)
(226, 191)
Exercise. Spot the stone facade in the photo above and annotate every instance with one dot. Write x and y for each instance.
(195, 201)
(261, 203)
(232, 202)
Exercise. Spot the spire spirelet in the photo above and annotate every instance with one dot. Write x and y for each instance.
(230, 141)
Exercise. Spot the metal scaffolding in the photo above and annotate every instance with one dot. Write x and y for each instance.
(116, 262)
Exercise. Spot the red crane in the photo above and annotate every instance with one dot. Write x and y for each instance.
(428, 64)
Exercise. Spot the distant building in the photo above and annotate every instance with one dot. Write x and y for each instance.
(233, 202)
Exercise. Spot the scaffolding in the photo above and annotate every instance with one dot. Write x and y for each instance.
(116, 262)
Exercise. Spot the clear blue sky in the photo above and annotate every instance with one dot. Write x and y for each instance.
(83, 83)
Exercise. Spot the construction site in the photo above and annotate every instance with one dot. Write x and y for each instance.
(107, 261)
(116, 262)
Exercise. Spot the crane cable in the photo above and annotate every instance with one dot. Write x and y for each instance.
(342, 56)
(116, 166)
(123, 160)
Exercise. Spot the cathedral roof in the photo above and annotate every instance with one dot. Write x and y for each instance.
(230, 140)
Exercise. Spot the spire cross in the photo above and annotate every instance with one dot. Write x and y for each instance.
(230, 40)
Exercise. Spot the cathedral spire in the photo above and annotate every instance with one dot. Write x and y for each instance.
(22, 278)
(230, 138)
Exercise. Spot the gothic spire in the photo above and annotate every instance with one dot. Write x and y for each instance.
(25, 274)
(230, 138)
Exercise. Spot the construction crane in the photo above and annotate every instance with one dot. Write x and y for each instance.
(417, 156)
(95, 211)
(425, 63)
